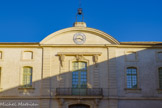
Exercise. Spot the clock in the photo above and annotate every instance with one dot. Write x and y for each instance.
(79, 38)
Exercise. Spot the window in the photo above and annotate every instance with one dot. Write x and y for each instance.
(0, 54)
(160, 56)
(27, 77)
(131, 56)
(131, 77)
(0, 78)
(160, 77)
(79, 75)
(28, 55)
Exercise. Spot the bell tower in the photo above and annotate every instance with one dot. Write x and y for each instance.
(80, 13)
(79, 17)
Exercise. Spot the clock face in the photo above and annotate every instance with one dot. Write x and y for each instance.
(79, 38)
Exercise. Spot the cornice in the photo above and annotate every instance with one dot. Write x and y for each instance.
(139, 46)
(19, 43)
(79, 53)
(75, 45)
(38, 45)
(141, 43)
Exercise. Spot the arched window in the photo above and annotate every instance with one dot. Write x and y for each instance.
(27, 77)
(132, 77)
(160, 77)
(79, 75)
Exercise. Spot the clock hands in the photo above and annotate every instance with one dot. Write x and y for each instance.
(78, 38)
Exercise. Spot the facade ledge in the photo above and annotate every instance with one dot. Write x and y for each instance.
(26, 90)
(79, 97)
(79, 53)
(139, 98)
(133, 90)
(20, 97)
(23, 88)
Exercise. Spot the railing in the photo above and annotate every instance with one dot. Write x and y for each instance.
(79, 92)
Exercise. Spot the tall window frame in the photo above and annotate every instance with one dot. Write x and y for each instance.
(131, 78)
(79, 74)
(160, 77)
(0, 77)
(27, 77)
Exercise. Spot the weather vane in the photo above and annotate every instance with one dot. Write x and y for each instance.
(80, 12)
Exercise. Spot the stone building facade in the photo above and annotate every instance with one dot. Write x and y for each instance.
(81, 67)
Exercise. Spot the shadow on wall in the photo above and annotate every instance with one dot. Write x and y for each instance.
(131, 76)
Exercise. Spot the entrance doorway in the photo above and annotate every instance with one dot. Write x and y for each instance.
(79, 106)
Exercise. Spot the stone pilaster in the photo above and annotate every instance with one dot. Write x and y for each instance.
(112, 77)
(96, 79)
(96, 74)
(45, 83)
(113, 103)
(62, 75)
(44, 103)
(62, 71)
(61, 103)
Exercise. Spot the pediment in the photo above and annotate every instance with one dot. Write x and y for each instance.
(66, 37)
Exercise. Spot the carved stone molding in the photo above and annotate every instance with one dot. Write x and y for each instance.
(79, 55)
(62, 59)
(61, 102)
(95, 59)
(79, 101)
(97, 101)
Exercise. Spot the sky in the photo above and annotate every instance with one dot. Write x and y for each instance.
(125, 20)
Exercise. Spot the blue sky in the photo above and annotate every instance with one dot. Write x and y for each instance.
(125, 20)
